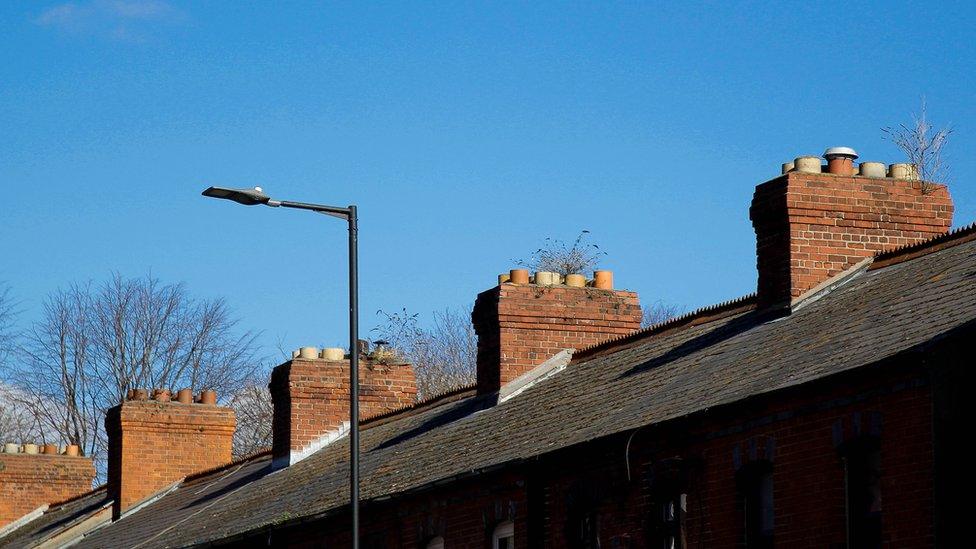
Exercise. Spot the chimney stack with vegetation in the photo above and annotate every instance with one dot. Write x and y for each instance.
(815, 221)
(310, 395)
(525, 320)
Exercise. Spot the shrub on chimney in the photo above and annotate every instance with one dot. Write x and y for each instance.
(557, 256)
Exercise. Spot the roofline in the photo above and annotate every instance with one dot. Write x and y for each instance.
(243, 459)
(451, 395)
(23, 520)
(79, 496)
(925, 247)
(699, 316)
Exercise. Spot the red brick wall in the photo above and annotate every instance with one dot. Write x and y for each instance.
(311, 398)
(810, 227)
(28, 481)
(153, 444)
(519, 326)
(798, 431)
(465, 514)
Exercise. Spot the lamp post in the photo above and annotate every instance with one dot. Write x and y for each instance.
(254, 197)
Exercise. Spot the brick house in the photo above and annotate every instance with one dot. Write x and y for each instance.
(826, 410)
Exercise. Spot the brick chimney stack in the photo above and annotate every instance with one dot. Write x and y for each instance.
(814, 221)
(522, 322)
(310, 394)
(30, 478)
(154, 443)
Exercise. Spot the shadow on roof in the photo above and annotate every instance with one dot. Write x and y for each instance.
(454, 412)
(727, 331)
(205, 494)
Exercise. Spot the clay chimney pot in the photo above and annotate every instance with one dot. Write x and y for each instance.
(603, 280)
(518, 276)
(208, 398)
(575, 280)
(840, 160)
(185, 396)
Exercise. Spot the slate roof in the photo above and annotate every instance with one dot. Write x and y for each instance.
(58, 518)
(680, 368)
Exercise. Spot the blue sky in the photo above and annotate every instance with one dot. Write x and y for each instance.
(466, 133)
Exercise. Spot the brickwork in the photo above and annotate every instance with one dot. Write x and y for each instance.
(153, 444)
(810, 227)
(798, 432)
(519, 326)
(311, 398)
(465, 514)
(28, 481)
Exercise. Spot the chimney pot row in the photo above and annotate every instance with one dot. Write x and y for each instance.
(333, 354)
(602, 280)
(840, 161)
(183, 396)
(28, 448)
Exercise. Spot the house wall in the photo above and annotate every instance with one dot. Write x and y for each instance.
(798, 431)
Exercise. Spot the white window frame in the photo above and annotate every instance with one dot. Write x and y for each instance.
(502, 531)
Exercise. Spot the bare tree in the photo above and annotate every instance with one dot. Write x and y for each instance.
(924, 147)
(94, 343)
(659, 312)
(15, 424)
(563, 258)
(254, 410)
(444, 356)
(6, 323)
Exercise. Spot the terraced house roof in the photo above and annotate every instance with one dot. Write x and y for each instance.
(696, 363)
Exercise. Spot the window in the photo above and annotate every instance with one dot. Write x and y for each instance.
(756, 498)
(504, 536)
(436, 543)
(862, 472)
(589, 532)
(673, 521)
(669, 507)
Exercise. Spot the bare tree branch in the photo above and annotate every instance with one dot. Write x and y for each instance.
(94, 343)
(924, 147)
(659, 312)
(559, 257)
(252, 405)
(444, 356)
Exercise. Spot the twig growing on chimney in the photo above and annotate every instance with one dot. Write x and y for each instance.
(923, 146)
(559, 257)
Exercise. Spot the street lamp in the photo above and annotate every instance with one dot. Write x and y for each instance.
(254, 197)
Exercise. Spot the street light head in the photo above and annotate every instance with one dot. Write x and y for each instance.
(248, 197)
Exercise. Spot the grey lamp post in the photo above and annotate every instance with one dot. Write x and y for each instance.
(254, 197)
